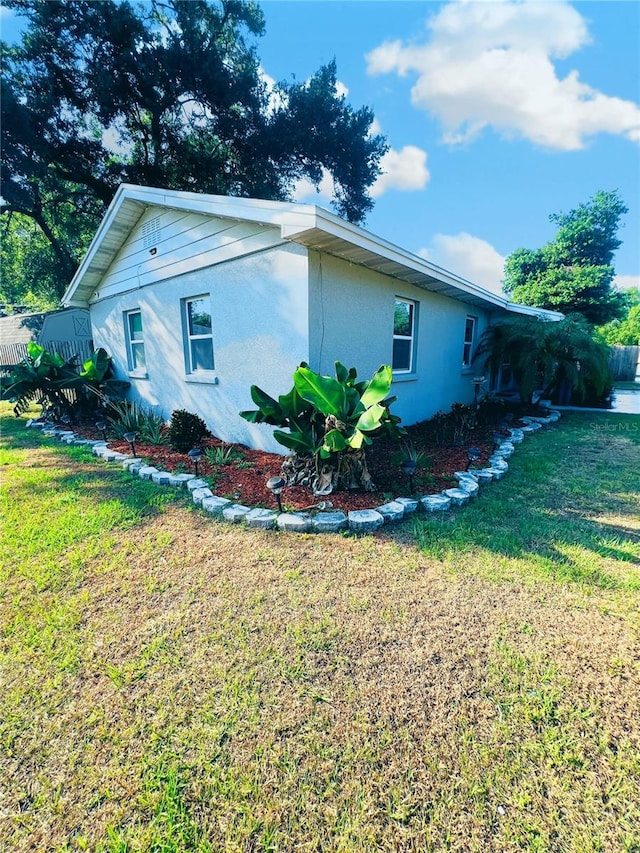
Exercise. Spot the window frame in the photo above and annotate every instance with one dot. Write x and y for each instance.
(133, 367)
(468, 344)
(400, 371)
(189, 338)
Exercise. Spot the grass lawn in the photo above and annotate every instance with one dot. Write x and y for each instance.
(462, 683)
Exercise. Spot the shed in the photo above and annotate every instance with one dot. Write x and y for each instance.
(67, 331)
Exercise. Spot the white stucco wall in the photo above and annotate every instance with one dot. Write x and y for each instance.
(351, 320)
(259, 307)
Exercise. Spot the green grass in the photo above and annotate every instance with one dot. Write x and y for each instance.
(565, 516)
(461, 683)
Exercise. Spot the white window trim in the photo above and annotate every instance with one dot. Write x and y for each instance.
(405, 371)
(199, 374)
(140, 372)
(467, 365)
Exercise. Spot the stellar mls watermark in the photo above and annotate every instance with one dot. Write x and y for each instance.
(613, 427)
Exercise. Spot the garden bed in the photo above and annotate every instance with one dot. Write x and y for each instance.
(242, 477)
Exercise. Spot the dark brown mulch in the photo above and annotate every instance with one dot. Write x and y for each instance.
(244, 478)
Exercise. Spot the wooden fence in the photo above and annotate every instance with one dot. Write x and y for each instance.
(624, 363)
(15, 353)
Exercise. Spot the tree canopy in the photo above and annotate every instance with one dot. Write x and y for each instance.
(626, 331)
(167, 93)
(574, 272)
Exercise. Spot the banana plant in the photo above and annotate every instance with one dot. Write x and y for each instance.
(330, 419)
(57, 383)
(353, 411)
(41, 376)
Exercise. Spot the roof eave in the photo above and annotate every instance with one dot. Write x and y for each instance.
(327, 232)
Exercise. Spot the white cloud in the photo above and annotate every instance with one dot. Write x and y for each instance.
(491, 64)
(624, 282)
(276, 100)
(341, 89)
(469, 257)
(305, 190)
(375, 127)
(402, 170)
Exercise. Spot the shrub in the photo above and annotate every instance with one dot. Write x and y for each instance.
(186, 430)
(548, 356)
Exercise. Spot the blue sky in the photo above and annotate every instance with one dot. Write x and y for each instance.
(497, 114)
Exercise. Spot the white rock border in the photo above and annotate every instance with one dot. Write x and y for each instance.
(359, 521)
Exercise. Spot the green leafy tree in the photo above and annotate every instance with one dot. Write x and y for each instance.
(33, 273)
(625, 332)
(574, 272)
(164, 94)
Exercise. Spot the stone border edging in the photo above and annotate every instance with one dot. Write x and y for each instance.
(359, 521)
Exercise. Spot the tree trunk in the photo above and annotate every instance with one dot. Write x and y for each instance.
(346, 471)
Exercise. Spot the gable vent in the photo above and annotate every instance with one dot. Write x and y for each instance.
(151, 233)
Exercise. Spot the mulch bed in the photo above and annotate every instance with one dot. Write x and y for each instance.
(243, 479)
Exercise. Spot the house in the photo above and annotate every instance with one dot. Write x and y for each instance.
(65, 331)
(197, 297)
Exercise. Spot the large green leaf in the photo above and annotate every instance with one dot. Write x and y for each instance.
(292, 404)
(378, 386)
(254, 416)
(342, 374)
(323, 392)
(354, 403)
(356, 440)
(371, 418)
(296, 441)
(95, 368)
(269, 407)
(334, 441)
(34, 350)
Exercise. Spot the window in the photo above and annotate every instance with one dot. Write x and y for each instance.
(469, 339)
(199, 336)
(404, 318)
(135, 341)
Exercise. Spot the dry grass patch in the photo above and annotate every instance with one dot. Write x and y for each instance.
(241, 691)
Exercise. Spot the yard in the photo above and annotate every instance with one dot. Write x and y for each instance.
(463, 683)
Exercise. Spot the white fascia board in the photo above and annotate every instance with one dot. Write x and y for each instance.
(321, 219)
(103, 229)
(228, 207)
(529, 310)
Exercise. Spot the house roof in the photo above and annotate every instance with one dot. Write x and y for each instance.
(307, 225)
(20, 328)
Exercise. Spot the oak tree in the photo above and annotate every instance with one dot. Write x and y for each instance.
(168, 93)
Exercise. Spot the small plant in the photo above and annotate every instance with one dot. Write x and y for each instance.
(130, 416)
(222, 455)
(186, 430)
(154, 429)
(410, 454)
